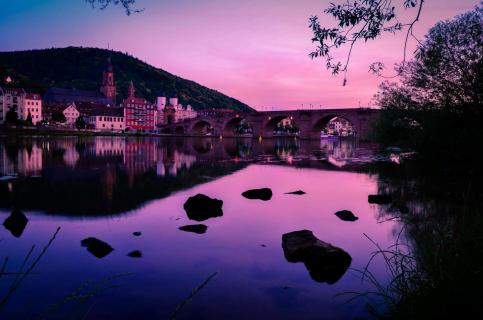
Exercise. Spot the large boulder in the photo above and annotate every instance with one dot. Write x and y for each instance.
(97, 247)
(379, 199)
(264, 194)
(324, 262)
(201, 207)
(346, 215)
(195, 228)
(16, 223)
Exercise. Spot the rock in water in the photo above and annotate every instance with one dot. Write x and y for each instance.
(346, 215)
(135, 254)
(298, 192)
(202, 207)
(264, 194)
(379, 199)
(16, 223)
(97, 247)
(195, 228)
(324, 262)
(137, 233)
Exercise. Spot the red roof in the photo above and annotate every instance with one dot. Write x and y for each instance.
(135, 100)
(33, 96)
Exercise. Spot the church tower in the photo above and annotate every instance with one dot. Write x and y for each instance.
(108, 87)
(131, 90)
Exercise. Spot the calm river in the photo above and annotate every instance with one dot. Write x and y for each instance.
(111, 187)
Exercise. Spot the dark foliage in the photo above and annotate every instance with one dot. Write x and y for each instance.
(80, 123)
(81, 68)
(11, 117)
(437, 108)
(28, 121)
(58, 116)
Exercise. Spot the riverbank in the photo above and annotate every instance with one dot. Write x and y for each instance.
(73, 132)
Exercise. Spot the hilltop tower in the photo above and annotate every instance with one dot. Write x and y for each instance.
(108, 87)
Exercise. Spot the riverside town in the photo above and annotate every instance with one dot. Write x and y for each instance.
(241, 160)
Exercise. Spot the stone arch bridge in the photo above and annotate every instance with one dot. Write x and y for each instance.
(310, 122)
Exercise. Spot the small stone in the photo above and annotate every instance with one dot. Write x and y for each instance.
(346, 215)
(263, 194)
(135, 254)
(298, 192)
(96, 247)
(195, 228)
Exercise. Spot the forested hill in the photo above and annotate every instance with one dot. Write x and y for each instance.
(81, 68)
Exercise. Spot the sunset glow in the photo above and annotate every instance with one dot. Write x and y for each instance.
(255, 51)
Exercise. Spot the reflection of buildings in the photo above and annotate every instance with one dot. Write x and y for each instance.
(139, 156)
(172, 164)
(109, 146)
(338, 149)
(6, 166)
(26, 161)
(71, 156)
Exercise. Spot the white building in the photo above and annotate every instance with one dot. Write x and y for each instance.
(107, 119)
(185, 113)
(21, 102)
(71, 114)
(10, 98)
(171, 111)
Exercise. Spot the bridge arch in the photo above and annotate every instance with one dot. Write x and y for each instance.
(322, 123)
(231, 125)
(202, 128)
(272, 122)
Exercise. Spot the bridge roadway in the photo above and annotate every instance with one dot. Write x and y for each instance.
(310, 122)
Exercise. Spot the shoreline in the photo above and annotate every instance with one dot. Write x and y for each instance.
(65, 132)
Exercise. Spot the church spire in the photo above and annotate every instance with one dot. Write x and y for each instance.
(131, 89)
(108, 87)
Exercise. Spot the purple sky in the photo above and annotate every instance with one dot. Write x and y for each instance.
(253, 50)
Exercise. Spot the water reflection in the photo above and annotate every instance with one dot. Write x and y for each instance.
(126, 196)
(111, 175)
